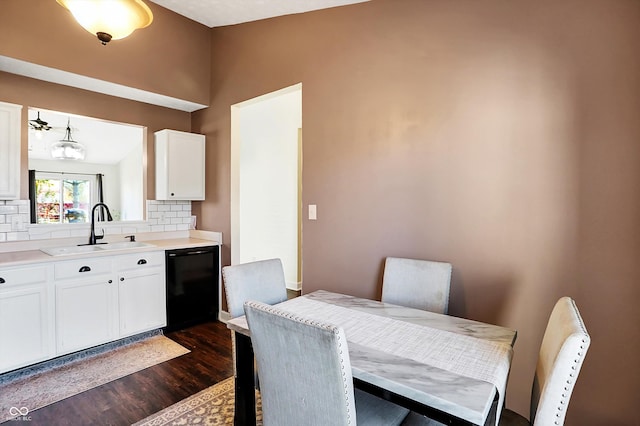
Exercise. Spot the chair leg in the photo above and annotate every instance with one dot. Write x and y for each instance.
(245, 399)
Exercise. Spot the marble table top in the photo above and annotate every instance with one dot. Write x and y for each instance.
(452, 364)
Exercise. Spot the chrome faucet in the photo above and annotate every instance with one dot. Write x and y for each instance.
(93, 237)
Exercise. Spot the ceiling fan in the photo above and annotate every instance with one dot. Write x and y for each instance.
(39, 124)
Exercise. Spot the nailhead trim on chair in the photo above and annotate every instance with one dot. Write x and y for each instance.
(344, 375)
(325, 326)
(570, 382)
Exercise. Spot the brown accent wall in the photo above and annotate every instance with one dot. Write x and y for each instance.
(29, 92)
(500, 136)
(170, 57)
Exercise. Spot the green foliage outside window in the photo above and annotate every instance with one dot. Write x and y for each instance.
(60, 200)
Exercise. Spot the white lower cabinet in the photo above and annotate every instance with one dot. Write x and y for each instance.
(26, 312)
(141, 292)
(55, 308)
(86, 313)
(107, 298)
(86, 303)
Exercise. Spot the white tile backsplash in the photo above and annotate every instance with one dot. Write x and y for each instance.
(17, 236)
(14, 219)
(4, 209)
(163, 216)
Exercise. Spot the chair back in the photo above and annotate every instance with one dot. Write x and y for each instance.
(262, 281)
(420, 284)
(562, 352)
(304, 369)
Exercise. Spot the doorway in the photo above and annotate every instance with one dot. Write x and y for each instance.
(266, 171)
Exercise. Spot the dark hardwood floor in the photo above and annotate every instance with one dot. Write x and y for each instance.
(134, 397)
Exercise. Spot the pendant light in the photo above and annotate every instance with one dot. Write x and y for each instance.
(67, 148)
(109, 19)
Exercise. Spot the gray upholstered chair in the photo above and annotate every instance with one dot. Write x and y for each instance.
(305, 373)
(420, 284)
(262, 281)
(562, 351)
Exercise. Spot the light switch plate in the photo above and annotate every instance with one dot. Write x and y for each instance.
(313, 212)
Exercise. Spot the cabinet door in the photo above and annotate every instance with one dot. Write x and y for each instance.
(24, 326)
(9, 151)
(179, 165)
(86, 313)
(142, 298)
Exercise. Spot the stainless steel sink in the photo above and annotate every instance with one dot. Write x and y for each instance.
(70, 250)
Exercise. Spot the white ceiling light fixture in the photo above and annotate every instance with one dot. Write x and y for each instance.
(67, 148)
(109, 19)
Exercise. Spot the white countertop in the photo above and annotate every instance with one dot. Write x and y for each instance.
(29, 252)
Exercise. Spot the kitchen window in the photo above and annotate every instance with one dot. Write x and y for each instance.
(63, 197)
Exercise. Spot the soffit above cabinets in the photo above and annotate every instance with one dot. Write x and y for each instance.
(52, 75)
(216, 13)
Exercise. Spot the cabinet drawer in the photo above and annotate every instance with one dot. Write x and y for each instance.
(19, 276)
(82, 268)
(140, 260)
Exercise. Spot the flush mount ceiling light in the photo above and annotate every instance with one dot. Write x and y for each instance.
(67, 148)
(109, 19)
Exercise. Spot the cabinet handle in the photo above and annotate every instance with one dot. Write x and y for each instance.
(2, 281)
(85, 269)
(142, 262)
(110, 281)
(121, 278)
(172, 194)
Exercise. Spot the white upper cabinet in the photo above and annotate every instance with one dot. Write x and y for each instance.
(10, 115)
(179, 165)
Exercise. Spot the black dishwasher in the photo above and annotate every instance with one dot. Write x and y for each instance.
(192, 286)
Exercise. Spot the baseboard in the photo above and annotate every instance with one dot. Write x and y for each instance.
(57, 362)
(294, 286)
(223, 316)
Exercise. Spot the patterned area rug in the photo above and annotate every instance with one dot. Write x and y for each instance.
(212, 406)
(27, 390)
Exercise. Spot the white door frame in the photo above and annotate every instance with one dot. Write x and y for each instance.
(236, 141)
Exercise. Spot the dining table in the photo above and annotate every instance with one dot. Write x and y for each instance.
(451, 369)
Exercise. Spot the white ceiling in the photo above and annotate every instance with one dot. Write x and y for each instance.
(216, 13)
(105, 142)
